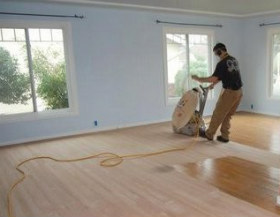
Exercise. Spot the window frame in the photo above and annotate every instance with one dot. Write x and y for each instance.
(72, 110)
(270, 32)
(184, 30)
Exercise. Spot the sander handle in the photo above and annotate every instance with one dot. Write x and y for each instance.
(205, 89)
(203, 99)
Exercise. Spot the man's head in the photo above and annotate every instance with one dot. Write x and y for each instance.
(220, 49)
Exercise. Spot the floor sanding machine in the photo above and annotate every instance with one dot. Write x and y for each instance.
(186, 119)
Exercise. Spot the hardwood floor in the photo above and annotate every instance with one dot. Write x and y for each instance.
(260, 131)
(144, 187)
(249, 181)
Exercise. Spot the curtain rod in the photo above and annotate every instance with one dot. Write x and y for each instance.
(269, 24)
(190, 24)
(43, 15)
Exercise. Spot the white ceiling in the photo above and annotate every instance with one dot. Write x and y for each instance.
(238, 8)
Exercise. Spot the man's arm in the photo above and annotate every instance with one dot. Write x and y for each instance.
(213, 84)
(211, 79)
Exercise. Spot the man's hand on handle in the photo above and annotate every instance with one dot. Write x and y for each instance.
(195, 77)
(212, 79)
(211, 86)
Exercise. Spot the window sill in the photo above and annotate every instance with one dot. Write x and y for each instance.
(35, 116)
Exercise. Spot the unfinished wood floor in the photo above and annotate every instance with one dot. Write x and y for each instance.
(145, 187)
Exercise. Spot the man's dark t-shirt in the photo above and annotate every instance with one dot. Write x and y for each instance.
(227, 70)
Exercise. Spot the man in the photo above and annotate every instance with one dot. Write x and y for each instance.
(227, 71)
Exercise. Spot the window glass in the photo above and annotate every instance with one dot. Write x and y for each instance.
(47, 76)
(187, 54)
(275, 76)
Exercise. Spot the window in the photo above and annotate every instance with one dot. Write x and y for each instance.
(34, 74)
(187, 52)
(274, 72)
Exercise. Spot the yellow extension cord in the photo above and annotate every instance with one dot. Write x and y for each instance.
(110, 160)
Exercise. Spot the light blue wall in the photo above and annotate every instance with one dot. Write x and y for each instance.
(254, 65)
(119, 67)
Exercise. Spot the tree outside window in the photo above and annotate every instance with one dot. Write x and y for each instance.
(48, 74)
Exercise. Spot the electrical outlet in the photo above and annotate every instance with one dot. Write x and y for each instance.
(252, 106)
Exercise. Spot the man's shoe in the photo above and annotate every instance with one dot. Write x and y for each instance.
(203, 134)
(221, 139)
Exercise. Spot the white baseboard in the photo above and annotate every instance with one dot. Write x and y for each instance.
(259, 112)
(102, 129)
(81, 132)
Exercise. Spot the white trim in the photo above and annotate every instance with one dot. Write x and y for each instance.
(34, 116)
(260, 112)
(269, 63)
(211, 66)
(12, 23)
(257, 14)
(165, 68)
(184, 30)
(159, 8)
(81, 132)
(70, 72)
(109, 128)
(146, 7)
(188, 30)
(70, 68)
(278, 201)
